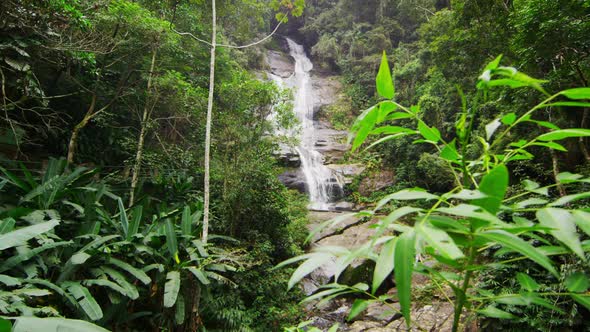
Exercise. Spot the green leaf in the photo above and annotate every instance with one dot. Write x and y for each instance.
(5, 325)
(570, 198)
(526, 282)
(520, 246)
(123, 217)
(130, 289)
(564, 228)
(334, 328)
(582, 219)
(186, 224)
(25, 255)
(358, 306)
(494, 312)
(439, 240)
(449, 152)
(9, 281)
(198, 274)
(404, 257)
(509, 119)
(429, 133)
(171, 288)
(384, 81)
(386, 107)
(576, 93)
(180, 310)
(408, 194)
(7, 225)
(171, 240)
(54, 324)
(85, 300)
(314, 261)
(363, 125)
(22, 235)
(137, 273)
(493, 64)
(494, 185)
(388, 130)
(551, 145)
(557, 135)
(384, 265)
(108, 284)
(577, 282)
(136, 213)
(583, 300)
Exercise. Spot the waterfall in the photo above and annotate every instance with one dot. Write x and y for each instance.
(320, 182)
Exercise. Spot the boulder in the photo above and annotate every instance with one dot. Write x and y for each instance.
(293, 179)
(376, 182)
(346, 172)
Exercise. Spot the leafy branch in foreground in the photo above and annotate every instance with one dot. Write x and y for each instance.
(475, 217)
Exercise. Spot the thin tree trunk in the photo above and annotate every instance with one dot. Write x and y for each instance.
(554, 161)
(144, 120)
(208, 125)
(76, 131)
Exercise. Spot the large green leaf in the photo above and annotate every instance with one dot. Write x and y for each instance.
(384, 265)
(130, 289)
(313, 261)
(171, 240)
(54, 324)
(385, 87)
(581, 299)
(439, 240)
(136, 214)
(494, 312)
(494, 185)
(186, 224)
(171, 288)
(577, 282)
(557, 135)
(563, 228)
(27, 254)
(520, 246)
(363, 126)
(577, 93)
(7, 225)
(22, 235)
(404, 257)
(198, 274)
(429, 133)
(137, 273)
(85, 300)
(582, 219)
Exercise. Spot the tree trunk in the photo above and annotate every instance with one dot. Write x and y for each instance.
(144, 123)
(76, 131)
(208, 125)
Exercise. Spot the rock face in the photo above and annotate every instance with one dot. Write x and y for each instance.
(281, 64)
(293, 179)
(376, 182)
(347, 172)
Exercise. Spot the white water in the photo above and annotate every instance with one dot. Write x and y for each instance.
(318, 178)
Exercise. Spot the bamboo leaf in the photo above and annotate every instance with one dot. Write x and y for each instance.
(517, 244)
(557, 135)
(494, 312)
(576, 93)
(439, 240)
(564, 228)
(313, 262)
(358, 306)
(404, 265)
(583, 300)
(384, 265)
(385, 87)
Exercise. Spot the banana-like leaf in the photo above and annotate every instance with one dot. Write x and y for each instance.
(171, 288)
(137, 273)
(22, 235)
(130, 290)
(186, 224)
(404, 257)
(171, 240)
(123, 218)
(7, 225)
(54, 324)
(85, 300)
(28, 254)
(180, 310)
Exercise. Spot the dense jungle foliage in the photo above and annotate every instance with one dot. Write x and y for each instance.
(102, 143)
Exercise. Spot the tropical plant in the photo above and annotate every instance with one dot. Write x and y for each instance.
(477, 216)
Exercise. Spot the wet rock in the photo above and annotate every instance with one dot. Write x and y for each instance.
(343, 206)
(347, 172)
(281, 64)
(325, 89)
(376, 182)
(293, 179)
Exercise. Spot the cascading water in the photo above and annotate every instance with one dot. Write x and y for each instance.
(319, 179)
